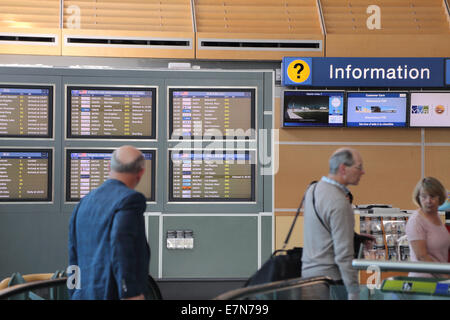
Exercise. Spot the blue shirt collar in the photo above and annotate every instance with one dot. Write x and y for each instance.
(337, 184)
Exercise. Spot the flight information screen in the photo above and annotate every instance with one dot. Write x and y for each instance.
(88, 169)
(26, 111)
(211, 113)
(111, 112)
(201, 176)
(25, 175)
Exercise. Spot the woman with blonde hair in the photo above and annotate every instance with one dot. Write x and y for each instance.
(428, 237)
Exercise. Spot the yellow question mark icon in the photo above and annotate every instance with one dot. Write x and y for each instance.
(298, 71)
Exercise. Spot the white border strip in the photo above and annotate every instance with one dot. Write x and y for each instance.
(422, 153)
(273, 142)
(322, 143)
(210, 214)
(160, 249)
(258, 232)
(286, 209)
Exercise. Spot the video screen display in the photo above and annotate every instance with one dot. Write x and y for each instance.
(211, 176)
(88, 169)
(25, 175)
(26, 111)
(313, 109)
(212, 113)
(430, 109)
(111, 112)
(376, 109)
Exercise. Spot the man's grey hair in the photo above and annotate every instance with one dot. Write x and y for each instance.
(344, 156)
(132, 167)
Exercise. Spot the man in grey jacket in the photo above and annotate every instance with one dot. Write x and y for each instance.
(328, 245)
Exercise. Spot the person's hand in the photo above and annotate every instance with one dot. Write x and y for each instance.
(368, 243)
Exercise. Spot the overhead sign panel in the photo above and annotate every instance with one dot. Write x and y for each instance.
(364, 72)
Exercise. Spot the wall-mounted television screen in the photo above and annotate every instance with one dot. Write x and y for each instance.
(26, 111)
(25, 175)
(208, 176)
(212, 113)
(313, 108)
(111, 112)
(376, 109)
(87, 169)
(429, 109)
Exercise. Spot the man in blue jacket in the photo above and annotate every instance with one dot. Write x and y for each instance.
(107, 235)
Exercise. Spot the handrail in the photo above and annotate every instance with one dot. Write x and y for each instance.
(410, 266)
(28, 278)
(274, 286)
(25, 287)
(153, 294)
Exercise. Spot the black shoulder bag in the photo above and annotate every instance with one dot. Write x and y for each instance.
(283, 264)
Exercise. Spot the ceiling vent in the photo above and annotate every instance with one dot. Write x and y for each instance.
(264, 45)
(126, 42)
(32, 39)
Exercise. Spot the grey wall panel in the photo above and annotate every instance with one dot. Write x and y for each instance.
(153, 235)
(33, 237)
(224, 247)
(266, 238)
(34, 242)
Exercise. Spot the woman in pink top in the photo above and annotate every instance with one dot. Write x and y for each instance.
(428, 238)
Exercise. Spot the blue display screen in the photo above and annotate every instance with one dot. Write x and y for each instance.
(376, 109)
(313, 109)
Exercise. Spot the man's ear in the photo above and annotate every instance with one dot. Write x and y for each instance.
(341, 169)
(141, 173)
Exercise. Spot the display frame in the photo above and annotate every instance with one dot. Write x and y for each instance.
(138, 87)
(51, 109)
(51, 172)
(400, 91)
(67, 167)
(304, 126)
(213, 201)
(411, 92)
(254, 110)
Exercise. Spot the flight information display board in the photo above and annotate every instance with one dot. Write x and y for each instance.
(26, 111)
(25, 175)
(111, 112)
(212, 113)
(213, 176)
(86, 170)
